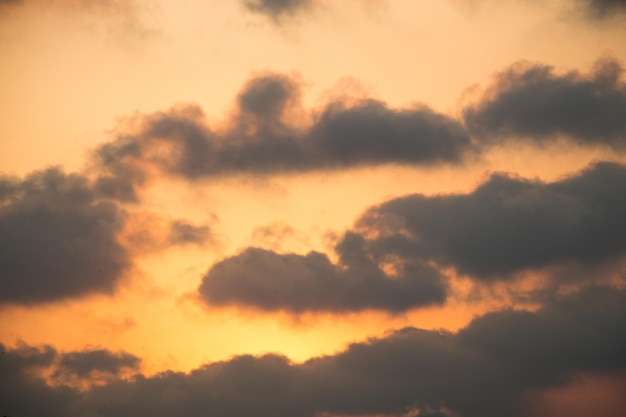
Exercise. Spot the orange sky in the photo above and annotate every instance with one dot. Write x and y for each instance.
(73, 75)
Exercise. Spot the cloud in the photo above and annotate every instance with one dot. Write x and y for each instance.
(269, 134)
(57, 239)
(86, 363)
(182, 232)
(486, 369)
(534, 102)
(269, 281)
(604, 8)
(508, 224)
(277, 9)
(24, 390)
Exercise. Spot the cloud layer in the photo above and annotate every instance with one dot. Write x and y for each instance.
(484, 370)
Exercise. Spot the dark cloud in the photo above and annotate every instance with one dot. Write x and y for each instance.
(86, 363)
(182, 232)
(57, 239)
(277, 9)
(604, 8)
(485, 370)
(534, 102)
(270, 281)
(265, 136)
(508, 224)
(22, 392)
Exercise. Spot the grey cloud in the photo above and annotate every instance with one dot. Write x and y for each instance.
(298, 283)
(57, 239)
(24, 393)
(484, 370)
(85, 363)
(265, 136)
(505, 226)
(508, 224)
(277, 9)
(604, 8)
(182, 232)
(534, 102)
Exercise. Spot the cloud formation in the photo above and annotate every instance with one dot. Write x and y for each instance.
(604, 8)
(277, 9)
(266, 135)
(62, 238)
(57, 239)
(270, 281)
(508, 224)
(100, 361)
(484, 370)
(504, 227)
(533, 102)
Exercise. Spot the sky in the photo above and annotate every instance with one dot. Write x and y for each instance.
(314, 208)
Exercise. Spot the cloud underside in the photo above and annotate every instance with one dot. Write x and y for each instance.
(486, 369)
(504, 227)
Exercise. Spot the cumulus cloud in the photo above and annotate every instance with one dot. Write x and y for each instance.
(267, 135)
(61, 237)
(57, 238)
(536, 103)
(508, 224)
(270, 281)
(484, 370)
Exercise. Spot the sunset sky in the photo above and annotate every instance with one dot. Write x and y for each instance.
(313, 208)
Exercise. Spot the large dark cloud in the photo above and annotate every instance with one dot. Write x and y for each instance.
(485, 370)
(57, 239)
(267, 135)
(269, 281)
(508, 224)
(536, 103)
